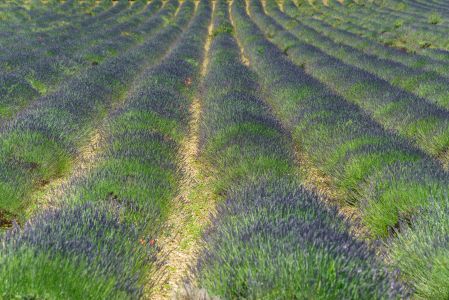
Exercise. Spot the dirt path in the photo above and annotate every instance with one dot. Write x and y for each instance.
(190, 211)
(315, 180)
(243, 57)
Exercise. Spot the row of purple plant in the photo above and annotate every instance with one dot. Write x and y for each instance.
(104, 236)
(270, 238)
(41, 143)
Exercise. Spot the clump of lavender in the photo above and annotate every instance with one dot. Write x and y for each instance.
(94, 236)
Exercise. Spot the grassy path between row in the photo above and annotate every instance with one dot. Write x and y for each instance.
(191, 209)
(85, 161)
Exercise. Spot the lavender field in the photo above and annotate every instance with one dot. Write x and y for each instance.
(217, 149)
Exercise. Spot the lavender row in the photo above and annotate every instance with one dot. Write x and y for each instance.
(22, 49)
(369, 165)
(398, 195)
(41, 143)
(109, 224)
(399, 31)
(428, 85)
(31, 80)
(345, 37)
(35, 24)
(270, 238)
(52, 17)
(421, 122)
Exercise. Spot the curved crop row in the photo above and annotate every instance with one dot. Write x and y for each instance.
(411, 117)
(31, 40)
(22, 17)
(271, 238)
(101, 242)
(41, 143)
(368, 46)
(412, 192)
(33, 19)
(20, 53)
(425, 84)
(22, 49)
(412, 60)
(29, 80)
(370, 167)
(414, 32)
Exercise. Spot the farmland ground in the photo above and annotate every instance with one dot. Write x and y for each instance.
(215, 149)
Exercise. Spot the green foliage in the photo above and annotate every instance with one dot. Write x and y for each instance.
(37, 85)
(398, 23)
(435, 18)
(223, 28)
(421, 251)
(29, 275)
(32, 160)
